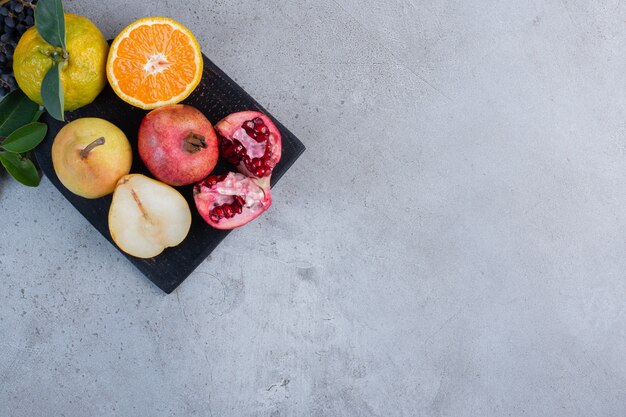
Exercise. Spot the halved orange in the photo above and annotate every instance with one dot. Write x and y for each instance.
(153, 62)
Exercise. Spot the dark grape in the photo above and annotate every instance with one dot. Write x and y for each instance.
(15, 17)
(9, 22)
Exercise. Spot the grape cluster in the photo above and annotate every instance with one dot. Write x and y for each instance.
(15, 17)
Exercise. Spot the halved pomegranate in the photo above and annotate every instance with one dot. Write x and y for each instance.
(250, 141)
(232, 200)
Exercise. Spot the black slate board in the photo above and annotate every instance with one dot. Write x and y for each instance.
(216, 96)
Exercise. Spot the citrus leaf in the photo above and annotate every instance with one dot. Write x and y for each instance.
(16, 110)
(50, 22)
(22, 169)
(37, 115)
(52, 92)
(25, 138)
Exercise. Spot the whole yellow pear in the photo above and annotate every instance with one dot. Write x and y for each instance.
(90, 155)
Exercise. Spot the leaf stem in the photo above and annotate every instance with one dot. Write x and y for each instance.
(85, 152)
(59, 55)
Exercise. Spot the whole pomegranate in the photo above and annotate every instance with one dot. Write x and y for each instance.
(250, 141)
(178, 144)
(232, 200)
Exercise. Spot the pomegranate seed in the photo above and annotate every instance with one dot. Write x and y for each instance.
(240, 150)
(231, 151)
(227, 210)
(239, 199)
(211, 181)
(260, 136)
(257, 163)
(256, 129)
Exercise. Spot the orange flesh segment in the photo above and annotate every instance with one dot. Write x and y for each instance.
(166, 46)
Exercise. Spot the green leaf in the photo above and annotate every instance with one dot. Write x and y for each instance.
(37, 115)
(16, 110)
(25, 138)
(50, 22)
(52, 92)
(22, 169)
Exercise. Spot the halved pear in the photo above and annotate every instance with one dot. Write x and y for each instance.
(147, 216)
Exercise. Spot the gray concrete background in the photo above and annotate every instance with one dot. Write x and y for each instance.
(452, 243)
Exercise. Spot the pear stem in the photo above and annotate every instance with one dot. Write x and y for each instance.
(85, 152)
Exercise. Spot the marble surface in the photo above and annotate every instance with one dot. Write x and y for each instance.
(452, 242)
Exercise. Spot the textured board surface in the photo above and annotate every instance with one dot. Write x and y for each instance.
(216, 96)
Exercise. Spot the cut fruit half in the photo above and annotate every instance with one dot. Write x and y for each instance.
(251, 141)
(153, 62)
(232, 200)
(147, 216)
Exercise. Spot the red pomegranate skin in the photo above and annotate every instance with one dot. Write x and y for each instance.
(178, 144)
